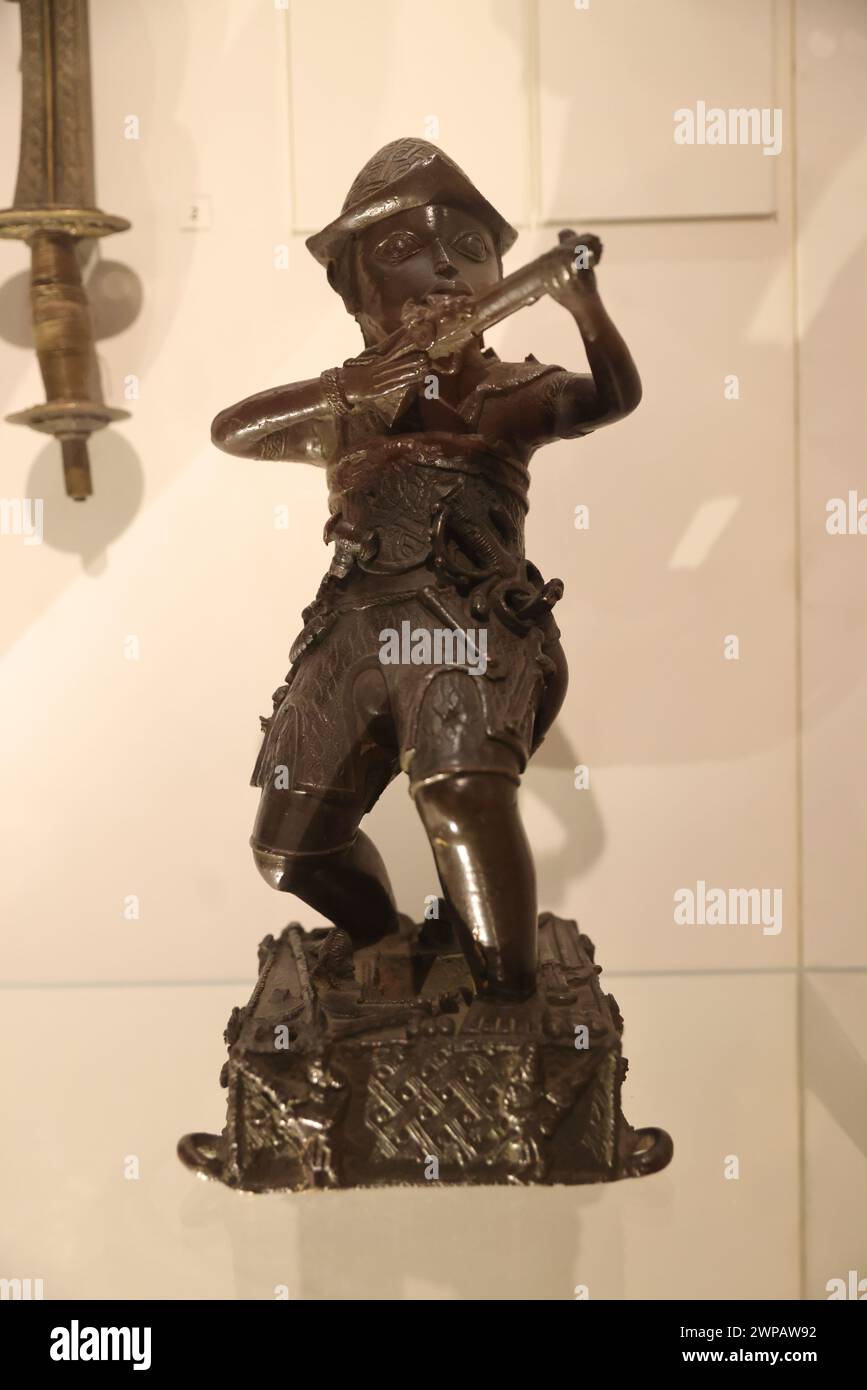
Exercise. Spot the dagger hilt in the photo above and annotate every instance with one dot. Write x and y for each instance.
(53, 211)
(63, 335)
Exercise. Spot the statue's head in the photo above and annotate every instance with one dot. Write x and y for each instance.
(412, 225)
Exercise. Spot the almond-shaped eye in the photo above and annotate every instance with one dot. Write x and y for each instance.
(397, 247)
(472, 245)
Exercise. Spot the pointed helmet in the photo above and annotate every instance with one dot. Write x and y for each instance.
(407, 173)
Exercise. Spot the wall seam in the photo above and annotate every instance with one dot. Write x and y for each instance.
(534, 121)
(800, 1069)
(290, 121)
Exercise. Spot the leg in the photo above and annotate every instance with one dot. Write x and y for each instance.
(487, 875)
(330, 757)
(349, 886)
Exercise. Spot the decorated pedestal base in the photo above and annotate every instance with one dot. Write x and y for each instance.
(384, 1068)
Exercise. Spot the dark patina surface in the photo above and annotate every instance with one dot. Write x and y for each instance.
(456, 1050)
(389, 1069)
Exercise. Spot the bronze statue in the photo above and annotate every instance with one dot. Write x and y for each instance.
(431, 649)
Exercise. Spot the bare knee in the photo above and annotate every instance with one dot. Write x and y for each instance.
(448, 805)
(288, 873)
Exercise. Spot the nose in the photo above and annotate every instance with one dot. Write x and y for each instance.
(441, 263)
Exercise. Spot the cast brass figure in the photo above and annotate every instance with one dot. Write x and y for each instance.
(426, 439)
(54, 210)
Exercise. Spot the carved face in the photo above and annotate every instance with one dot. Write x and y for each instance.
(424, 251)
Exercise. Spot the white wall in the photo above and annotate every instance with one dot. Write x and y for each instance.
(130, 777)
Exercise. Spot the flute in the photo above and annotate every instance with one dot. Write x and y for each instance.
(443, 329)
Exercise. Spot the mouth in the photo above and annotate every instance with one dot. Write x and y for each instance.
(451, 289)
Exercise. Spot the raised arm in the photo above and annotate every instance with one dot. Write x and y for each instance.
(613, 389)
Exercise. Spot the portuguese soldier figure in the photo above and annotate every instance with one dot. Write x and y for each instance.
(427, 464)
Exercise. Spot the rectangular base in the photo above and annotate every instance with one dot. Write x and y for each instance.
(385, 1068)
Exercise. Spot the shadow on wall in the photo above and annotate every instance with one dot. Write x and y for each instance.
(455, 1244)
(146, 44)
(88, 528)
(834, 1069)
(645, 616)
(656, 615)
